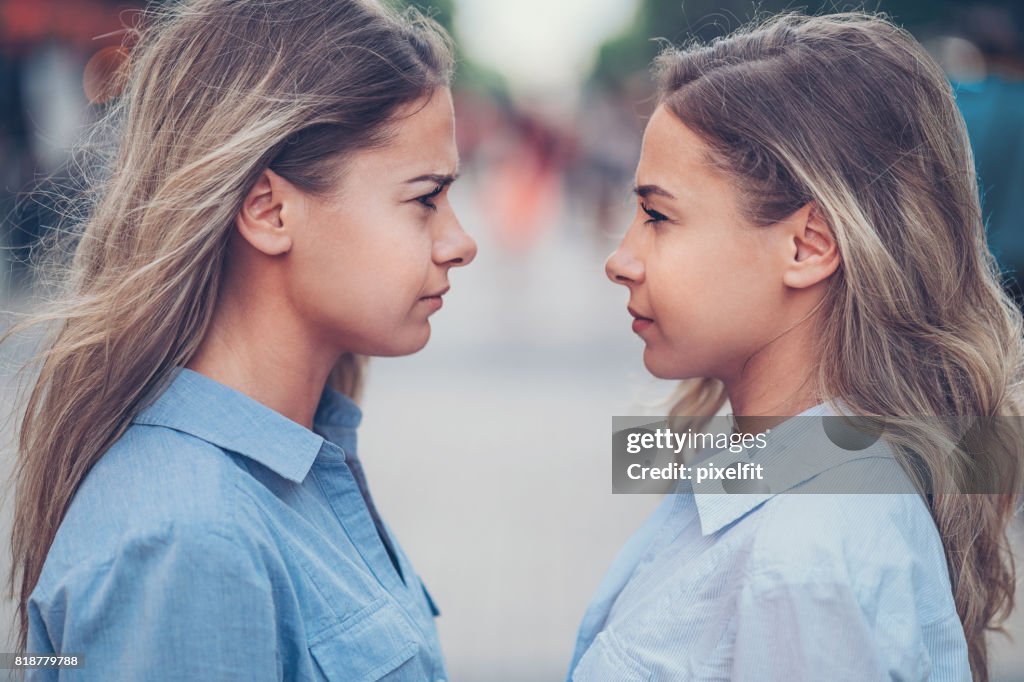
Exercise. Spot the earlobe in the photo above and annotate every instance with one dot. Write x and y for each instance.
(260, 220)
(813, 248)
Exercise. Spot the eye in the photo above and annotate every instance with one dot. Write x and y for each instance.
(654, 216)
(426, 198)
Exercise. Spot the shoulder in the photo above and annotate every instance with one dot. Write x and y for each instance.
(821, 531)
(158, 599)
(884, 547)
(871, 565)
(155, 486)
(155, 474)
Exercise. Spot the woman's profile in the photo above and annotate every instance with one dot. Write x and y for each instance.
(190, 503)
(807, 244)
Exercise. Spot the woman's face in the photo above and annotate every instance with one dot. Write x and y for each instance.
(371, 263)
(704, 284)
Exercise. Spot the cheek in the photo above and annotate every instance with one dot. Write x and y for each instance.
(385, 279)
(712, 300)
(725, 277)
(682, 280)
(393, 321)
(388, 257)
(359, 284)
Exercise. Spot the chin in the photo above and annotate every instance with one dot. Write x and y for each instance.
(411, 343)
(655, 365)
(667, 368)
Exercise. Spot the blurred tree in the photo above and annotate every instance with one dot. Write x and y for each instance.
(441, 11)
(469, 74)
(681, 20)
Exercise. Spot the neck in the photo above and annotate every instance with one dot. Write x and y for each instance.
(258, 348)
(777, 382)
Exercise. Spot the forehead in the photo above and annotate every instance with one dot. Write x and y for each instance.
(673, 156)
(424, 121)
(421, 139)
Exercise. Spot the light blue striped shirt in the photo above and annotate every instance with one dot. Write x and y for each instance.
(219, 540)
(769, 586)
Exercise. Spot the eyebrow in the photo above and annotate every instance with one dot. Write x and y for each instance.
(439, 179)
(644, 191)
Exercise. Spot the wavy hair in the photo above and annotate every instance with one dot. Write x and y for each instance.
(215, 91)
(848, 111)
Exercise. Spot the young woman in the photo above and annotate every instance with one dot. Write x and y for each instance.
(808, 242)
(190, 504)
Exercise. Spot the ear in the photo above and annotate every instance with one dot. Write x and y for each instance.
(263, 218)
(813, 253)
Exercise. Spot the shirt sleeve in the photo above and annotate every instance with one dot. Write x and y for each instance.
(812, 630)
(185, 604)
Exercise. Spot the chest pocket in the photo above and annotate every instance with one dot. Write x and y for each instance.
(604, 660)
(374, 644)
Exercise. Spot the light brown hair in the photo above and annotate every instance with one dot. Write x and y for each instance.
(850, 112)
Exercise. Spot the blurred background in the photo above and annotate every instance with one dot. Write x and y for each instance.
(488, 451)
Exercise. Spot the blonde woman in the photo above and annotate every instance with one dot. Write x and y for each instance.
(808, 243)
(190, 504)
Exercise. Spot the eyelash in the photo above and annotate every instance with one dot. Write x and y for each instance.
(425, 199)
(655, 217)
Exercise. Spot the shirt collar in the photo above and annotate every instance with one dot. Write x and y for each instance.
(337, 418)
(797, 450)
(196, 404)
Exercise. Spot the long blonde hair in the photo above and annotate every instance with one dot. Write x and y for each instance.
(216, 91)
(848, 111)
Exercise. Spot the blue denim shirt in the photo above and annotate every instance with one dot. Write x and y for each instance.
(219, 540)
(811, 584)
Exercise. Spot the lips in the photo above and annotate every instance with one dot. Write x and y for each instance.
(640, 322)
(434, 301)
(439, 294)
(638, 316)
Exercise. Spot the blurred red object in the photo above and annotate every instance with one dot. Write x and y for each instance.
(78, 23)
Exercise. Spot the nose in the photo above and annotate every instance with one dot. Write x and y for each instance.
(455, 248)
(623, 267)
